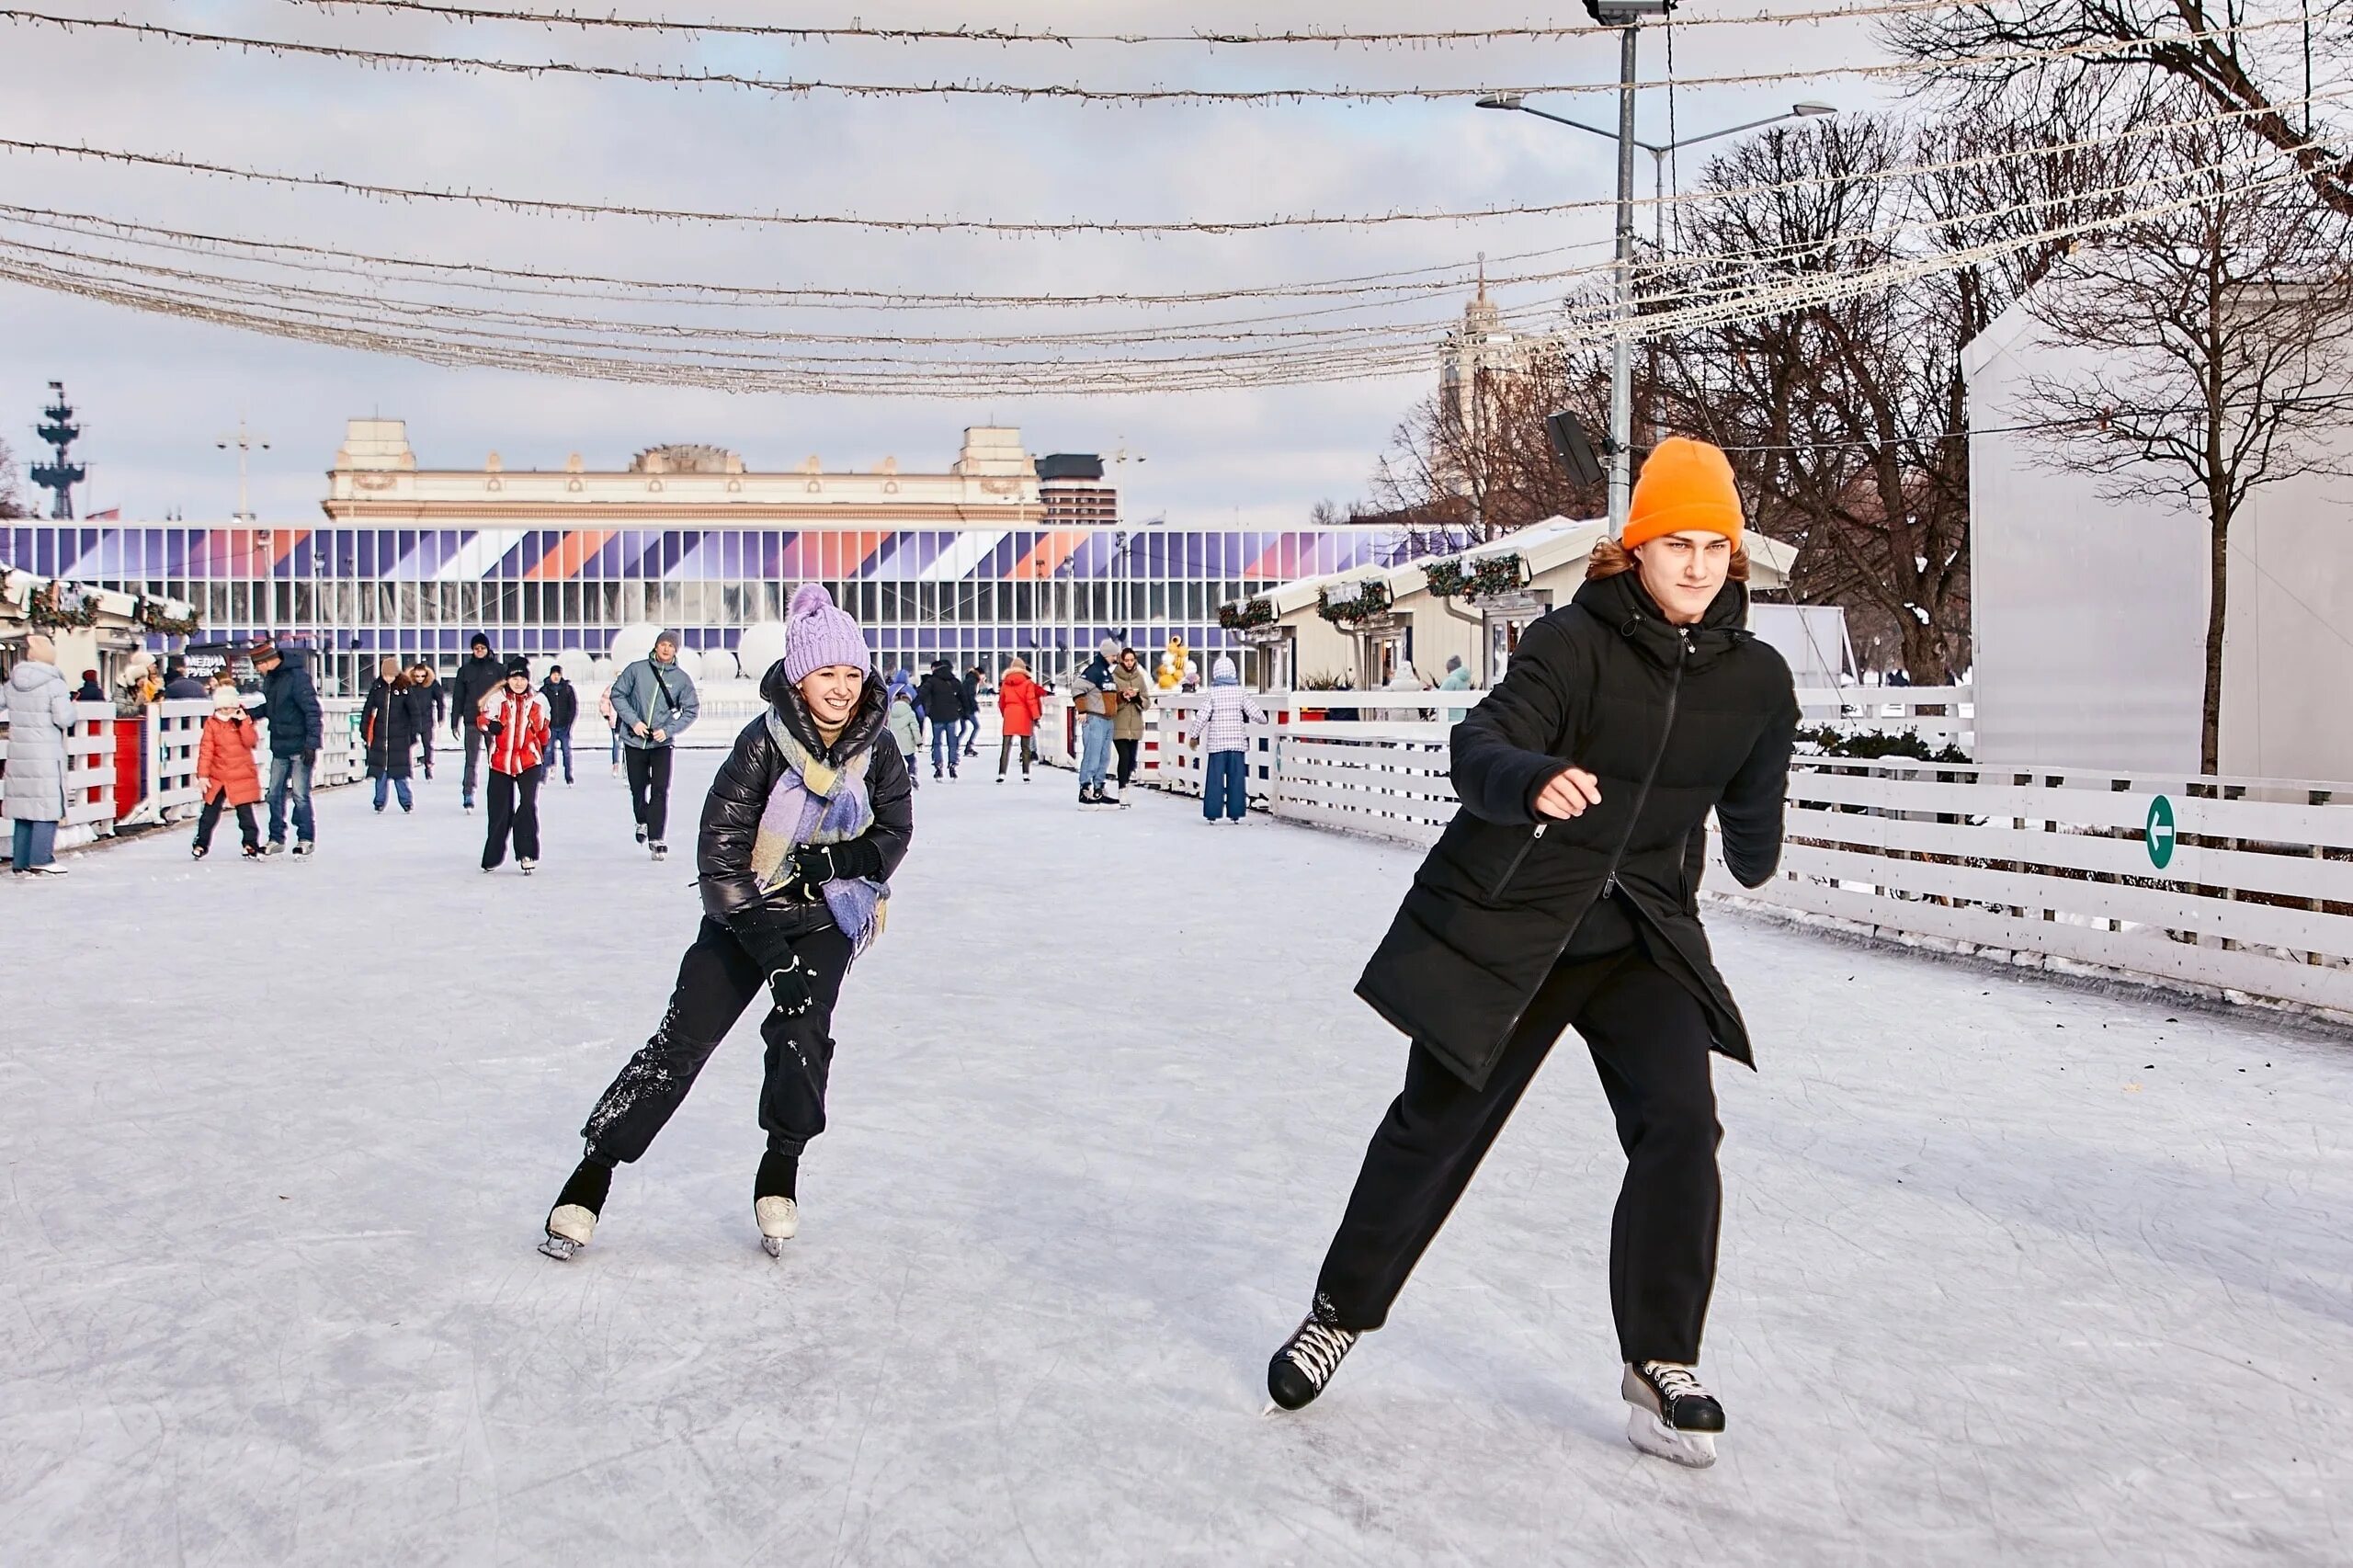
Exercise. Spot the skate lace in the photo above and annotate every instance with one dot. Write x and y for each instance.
(1673, 1382)
(1317, 1350)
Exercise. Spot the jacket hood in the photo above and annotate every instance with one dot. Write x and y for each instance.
(27, 675)
(290, 659)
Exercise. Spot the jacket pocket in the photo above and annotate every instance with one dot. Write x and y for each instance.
(1517, 860)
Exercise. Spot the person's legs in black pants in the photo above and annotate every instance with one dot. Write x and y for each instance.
(248, 829)
(1127, 750)
(527, 813)
(717, 980)
(1426, 1150)
(502, 817)
(1649, 1040)
(640, 766)
(657, 794)
(210, 818)
(473, 759)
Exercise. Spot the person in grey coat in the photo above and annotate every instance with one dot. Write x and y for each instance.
(41, 710)
(654, 702)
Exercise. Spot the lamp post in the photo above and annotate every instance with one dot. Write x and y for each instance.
(1627, 16)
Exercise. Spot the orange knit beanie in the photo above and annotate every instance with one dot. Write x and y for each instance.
(1684, 484)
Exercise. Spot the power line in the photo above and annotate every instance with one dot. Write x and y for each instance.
(1069, 92)
(859, 32)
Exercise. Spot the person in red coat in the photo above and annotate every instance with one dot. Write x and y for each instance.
(1020, 700)
(225, 773)
(514, 719)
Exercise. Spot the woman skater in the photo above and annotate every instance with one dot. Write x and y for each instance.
(388, 724)
(514, 719)
(808, 818)
(1565, 895)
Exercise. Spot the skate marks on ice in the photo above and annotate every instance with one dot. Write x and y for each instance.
(1981, 1302)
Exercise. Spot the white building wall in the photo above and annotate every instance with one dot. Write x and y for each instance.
(2091, 613)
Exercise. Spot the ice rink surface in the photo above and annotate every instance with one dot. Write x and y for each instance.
(2012, 1273)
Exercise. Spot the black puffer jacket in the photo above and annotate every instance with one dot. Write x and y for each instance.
(291, 703)
(475, 678)
(388, 719)
(1672, 720)
(940, 697)
(731, 814)
(563, 703)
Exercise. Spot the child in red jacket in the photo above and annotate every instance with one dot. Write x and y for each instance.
(225, 775)
(515, 719)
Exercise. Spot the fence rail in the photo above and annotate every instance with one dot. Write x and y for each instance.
(2237, 886)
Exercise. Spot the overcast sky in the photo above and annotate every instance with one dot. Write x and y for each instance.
(156, 392)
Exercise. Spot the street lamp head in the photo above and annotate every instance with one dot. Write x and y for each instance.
(1627, 13)
(1503, 100)
(1808, 110)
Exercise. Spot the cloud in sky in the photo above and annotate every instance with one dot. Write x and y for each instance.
(156, 392)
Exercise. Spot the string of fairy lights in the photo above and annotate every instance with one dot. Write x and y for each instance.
(871, 338)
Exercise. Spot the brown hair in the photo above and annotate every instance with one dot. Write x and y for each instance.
(1609, 558)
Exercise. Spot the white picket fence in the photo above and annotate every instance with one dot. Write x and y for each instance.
(174, 730)
(1940, 715)
(2239, 887)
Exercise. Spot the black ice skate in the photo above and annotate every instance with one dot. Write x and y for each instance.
(1309, 1357)
(1674, 1416)
(574, 1219)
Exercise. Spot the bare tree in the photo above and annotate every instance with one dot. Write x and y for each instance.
(2216, 355)
(2251, 60)
(1462, 473)
(12, 503)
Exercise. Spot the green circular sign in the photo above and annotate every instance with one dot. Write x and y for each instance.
(2160, 832)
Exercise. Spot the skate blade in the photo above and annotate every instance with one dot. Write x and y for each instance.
(1693, 1451)
(772, 1245)
(563, 1249)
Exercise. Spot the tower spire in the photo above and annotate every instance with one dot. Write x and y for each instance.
(61, 475)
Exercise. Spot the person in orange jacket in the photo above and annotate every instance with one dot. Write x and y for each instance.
(1020, 701)
(225, 773)
(514, 719)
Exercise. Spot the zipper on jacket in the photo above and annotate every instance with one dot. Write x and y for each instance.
(1513, 869)
(1634, 820)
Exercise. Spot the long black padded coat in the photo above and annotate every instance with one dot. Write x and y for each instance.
(1672, 721)
(731, 814)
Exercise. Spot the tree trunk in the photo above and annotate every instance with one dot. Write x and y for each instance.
(2218, 605)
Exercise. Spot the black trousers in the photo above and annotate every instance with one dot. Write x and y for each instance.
(1649, 1041)
(210, 818)
(1127, 750)
(514, 804)
(721, 974)
(649, 788)
(473, 759)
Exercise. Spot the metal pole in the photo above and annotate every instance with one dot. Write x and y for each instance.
(1622, 376)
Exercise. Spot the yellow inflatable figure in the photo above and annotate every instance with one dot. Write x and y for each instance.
(1173, 664)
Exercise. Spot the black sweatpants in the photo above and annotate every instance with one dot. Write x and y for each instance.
(1649, 1040)
(514, 803)
(1127, 750)
(720, 975)
(210, 818)
(649, 788)
(474, 739)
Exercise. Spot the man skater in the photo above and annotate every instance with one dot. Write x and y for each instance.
(564, 710)
(290, 705)
(808, 818)
(481, 674)
(1565, 895)
(653, 702)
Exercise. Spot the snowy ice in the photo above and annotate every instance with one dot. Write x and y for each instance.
(2013, 1271)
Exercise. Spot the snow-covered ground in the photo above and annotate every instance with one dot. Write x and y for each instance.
(2012, 1272)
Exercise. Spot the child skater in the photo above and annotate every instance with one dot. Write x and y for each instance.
(225, 773)
(806, 821)
(515, 718)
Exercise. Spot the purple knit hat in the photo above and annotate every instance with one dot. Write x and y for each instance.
(817, 635)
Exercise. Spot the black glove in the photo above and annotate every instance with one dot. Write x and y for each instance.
(309, 759)
(790, 988)
(497, 726)
(813, 868)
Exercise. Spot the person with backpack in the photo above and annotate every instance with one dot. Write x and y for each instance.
(1095, 695)
(226, 777)
(1565, 895)
(653, 702)
(940, 700)
(563, 711)
(387, 727)
(1021, 702)
(807, 820)
(481, 674)
(1225, 770)
(514, 722)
